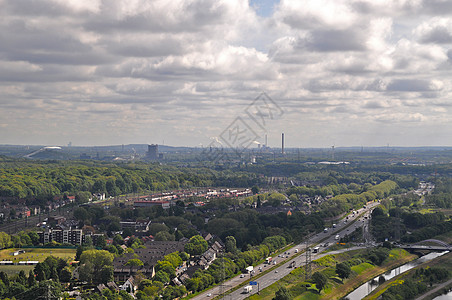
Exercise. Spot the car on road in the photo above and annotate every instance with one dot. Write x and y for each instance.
(209, 294)
(276, 271)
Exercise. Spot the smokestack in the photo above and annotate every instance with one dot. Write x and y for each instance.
(282, 143)
(266, 141)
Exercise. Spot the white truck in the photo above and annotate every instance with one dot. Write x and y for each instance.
(247, 289)
(337, 237)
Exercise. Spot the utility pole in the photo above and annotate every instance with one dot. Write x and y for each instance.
(222, 276)
(308, 266)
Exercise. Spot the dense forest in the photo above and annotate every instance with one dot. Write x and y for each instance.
(44, 180)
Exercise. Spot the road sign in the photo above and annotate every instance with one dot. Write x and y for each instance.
(253, 282)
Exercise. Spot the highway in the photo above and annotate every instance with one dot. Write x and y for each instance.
(282, 269)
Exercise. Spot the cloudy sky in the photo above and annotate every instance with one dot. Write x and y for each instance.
(186, 72)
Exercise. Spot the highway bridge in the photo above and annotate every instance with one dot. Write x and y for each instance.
(430, 244)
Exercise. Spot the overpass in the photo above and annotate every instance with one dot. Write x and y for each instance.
(430, 244)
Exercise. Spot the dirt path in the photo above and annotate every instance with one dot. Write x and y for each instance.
(442, 285)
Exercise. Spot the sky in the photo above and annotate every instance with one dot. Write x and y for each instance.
(203, 72)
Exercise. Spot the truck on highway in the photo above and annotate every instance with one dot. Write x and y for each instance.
(337, 237)
(316, 250)
(247, 289)
(268, 260)
(325, 230)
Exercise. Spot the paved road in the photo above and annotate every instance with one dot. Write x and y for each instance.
(342, 228)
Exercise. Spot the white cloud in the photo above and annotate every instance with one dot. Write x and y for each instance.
(184, 69)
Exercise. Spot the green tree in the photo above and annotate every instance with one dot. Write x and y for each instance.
(101, 242)
(41, 269)
(94, 263)
(4, 278)
(164, 236)
(65, 274)
(34, 237)
(166, 267)
(231, 244)
(81, 214)
(105, 274)
(88, 241)
(255, 190)
(282, 294)
(343, 270)
(118, 240)
(22, 278)
(197, 245)
(134, 262)
(174, 259)
(82, 197)
(320, 280)
(162, 277)
(31, 278)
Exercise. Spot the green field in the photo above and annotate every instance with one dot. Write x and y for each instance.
(35, 254)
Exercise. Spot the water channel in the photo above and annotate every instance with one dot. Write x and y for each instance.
(447, 296)
(371, 285)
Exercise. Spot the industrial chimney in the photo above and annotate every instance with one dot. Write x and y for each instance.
(282, 143)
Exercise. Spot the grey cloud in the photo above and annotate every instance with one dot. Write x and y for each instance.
(48, 73)
(341, 109)
(439, 35)
(363, 7)
(34, 8)
(373, 105)
(305, 22)
(321, 85)
(449, 54)
(409, 85)
(336, 40)
(36, 57)
(21, 35)
(354, 69)
(192, 17)
(436, 7)
(148, 49)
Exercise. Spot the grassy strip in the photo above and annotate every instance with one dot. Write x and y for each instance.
(444, 261)
(15, 269)
(32, 254)
(37, 254)
(397, 257)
